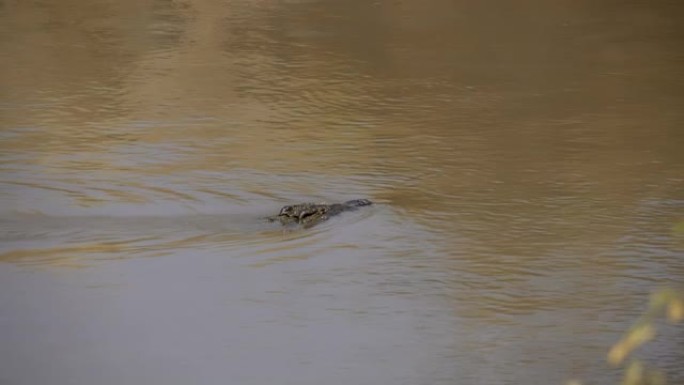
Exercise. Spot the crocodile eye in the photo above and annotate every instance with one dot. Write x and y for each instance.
(287, 210)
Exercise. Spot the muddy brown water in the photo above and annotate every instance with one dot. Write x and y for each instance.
(526, 161)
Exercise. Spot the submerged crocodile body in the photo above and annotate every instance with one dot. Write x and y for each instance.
(310, 214)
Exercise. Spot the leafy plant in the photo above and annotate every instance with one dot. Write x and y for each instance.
(667, 303)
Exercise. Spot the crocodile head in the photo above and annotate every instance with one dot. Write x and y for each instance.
(304, 212)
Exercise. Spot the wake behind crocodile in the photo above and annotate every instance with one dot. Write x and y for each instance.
(17, 226)
(37, 234)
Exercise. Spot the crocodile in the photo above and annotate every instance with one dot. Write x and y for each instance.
(310, 214)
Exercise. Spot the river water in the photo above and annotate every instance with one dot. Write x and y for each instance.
(526, 162)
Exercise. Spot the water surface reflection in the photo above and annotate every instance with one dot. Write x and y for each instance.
(525, 160)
